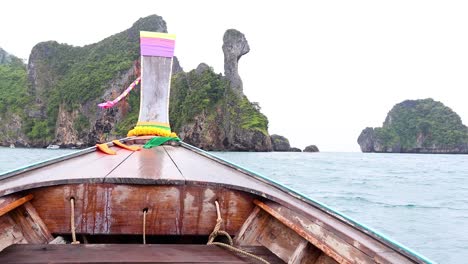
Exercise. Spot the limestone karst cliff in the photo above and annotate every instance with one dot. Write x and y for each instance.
(210, 110)
(417, 126)
(55, 96)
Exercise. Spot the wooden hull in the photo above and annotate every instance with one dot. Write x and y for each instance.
(171, 190)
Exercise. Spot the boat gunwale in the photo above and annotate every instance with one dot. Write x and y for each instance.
(46, 162)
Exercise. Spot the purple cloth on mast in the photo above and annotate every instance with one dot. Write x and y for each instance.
(157, 47)
(157, 41)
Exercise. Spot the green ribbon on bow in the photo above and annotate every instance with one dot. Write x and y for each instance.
(158, 141)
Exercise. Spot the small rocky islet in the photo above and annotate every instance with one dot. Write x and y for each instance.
(417, 126)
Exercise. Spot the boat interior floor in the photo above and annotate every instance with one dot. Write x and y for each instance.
(130, 253)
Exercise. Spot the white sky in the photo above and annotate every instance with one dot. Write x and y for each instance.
(321, 70)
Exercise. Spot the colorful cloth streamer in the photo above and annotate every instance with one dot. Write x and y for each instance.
(157, 44)
(110, 104)
(157, 141)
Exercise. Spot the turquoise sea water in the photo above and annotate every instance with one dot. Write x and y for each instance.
(420, 201)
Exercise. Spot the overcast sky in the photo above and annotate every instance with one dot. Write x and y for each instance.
(321, 70)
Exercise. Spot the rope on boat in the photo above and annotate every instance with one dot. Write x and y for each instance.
(217, 231)
(144, 225)
(72, 221)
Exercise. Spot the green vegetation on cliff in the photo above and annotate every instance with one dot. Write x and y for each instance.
(203, 92)
(76, 75)
(194, 93)
(13, 87)
(422, 123)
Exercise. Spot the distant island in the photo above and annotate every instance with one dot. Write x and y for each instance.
(417, 126)
(53, 99)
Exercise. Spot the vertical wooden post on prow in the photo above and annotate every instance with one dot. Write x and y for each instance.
(72, 221)
(157, 51)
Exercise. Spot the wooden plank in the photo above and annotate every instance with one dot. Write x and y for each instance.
(118, 209)
(299, 252)
(10, 233)
(155, 81)
(311, 254)
(31, 225)
(147, 166)
(325, 259)
(116, 253)
(279, 239)
(252, 228)
(326, 241)
(37, 224)
(259, 251)
(91, 167)
(5, 208)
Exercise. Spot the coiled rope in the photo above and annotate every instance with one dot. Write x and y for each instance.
(72, 221)
(217, 231)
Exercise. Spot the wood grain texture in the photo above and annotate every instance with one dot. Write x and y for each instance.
(37, 223)
(9, 204)
(262, 252)
(147, 166)
(117, 253)
(321, 238)
(311, 254)
(279, 239)
(92, 168)
(118, 209)
(32, 228)
(325, 240)
(252, 228)
(299, 252)
(10, 233)
(155, 83)
(325, 259)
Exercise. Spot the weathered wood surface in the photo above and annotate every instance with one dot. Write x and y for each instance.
(8, 204)
(251, 228)
(92, 167)
(117, 253)
(31, 225)
(327, 241)
(299, 252)
(147, 166)
(310, 255)
(156, 81)
(279, 239)
(10, 233)
(20, 223)
(259, 251)
(118, 209)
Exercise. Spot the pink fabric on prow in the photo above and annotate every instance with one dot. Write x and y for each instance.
(110, 104)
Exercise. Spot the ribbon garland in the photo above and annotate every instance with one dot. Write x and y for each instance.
(110, 104)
